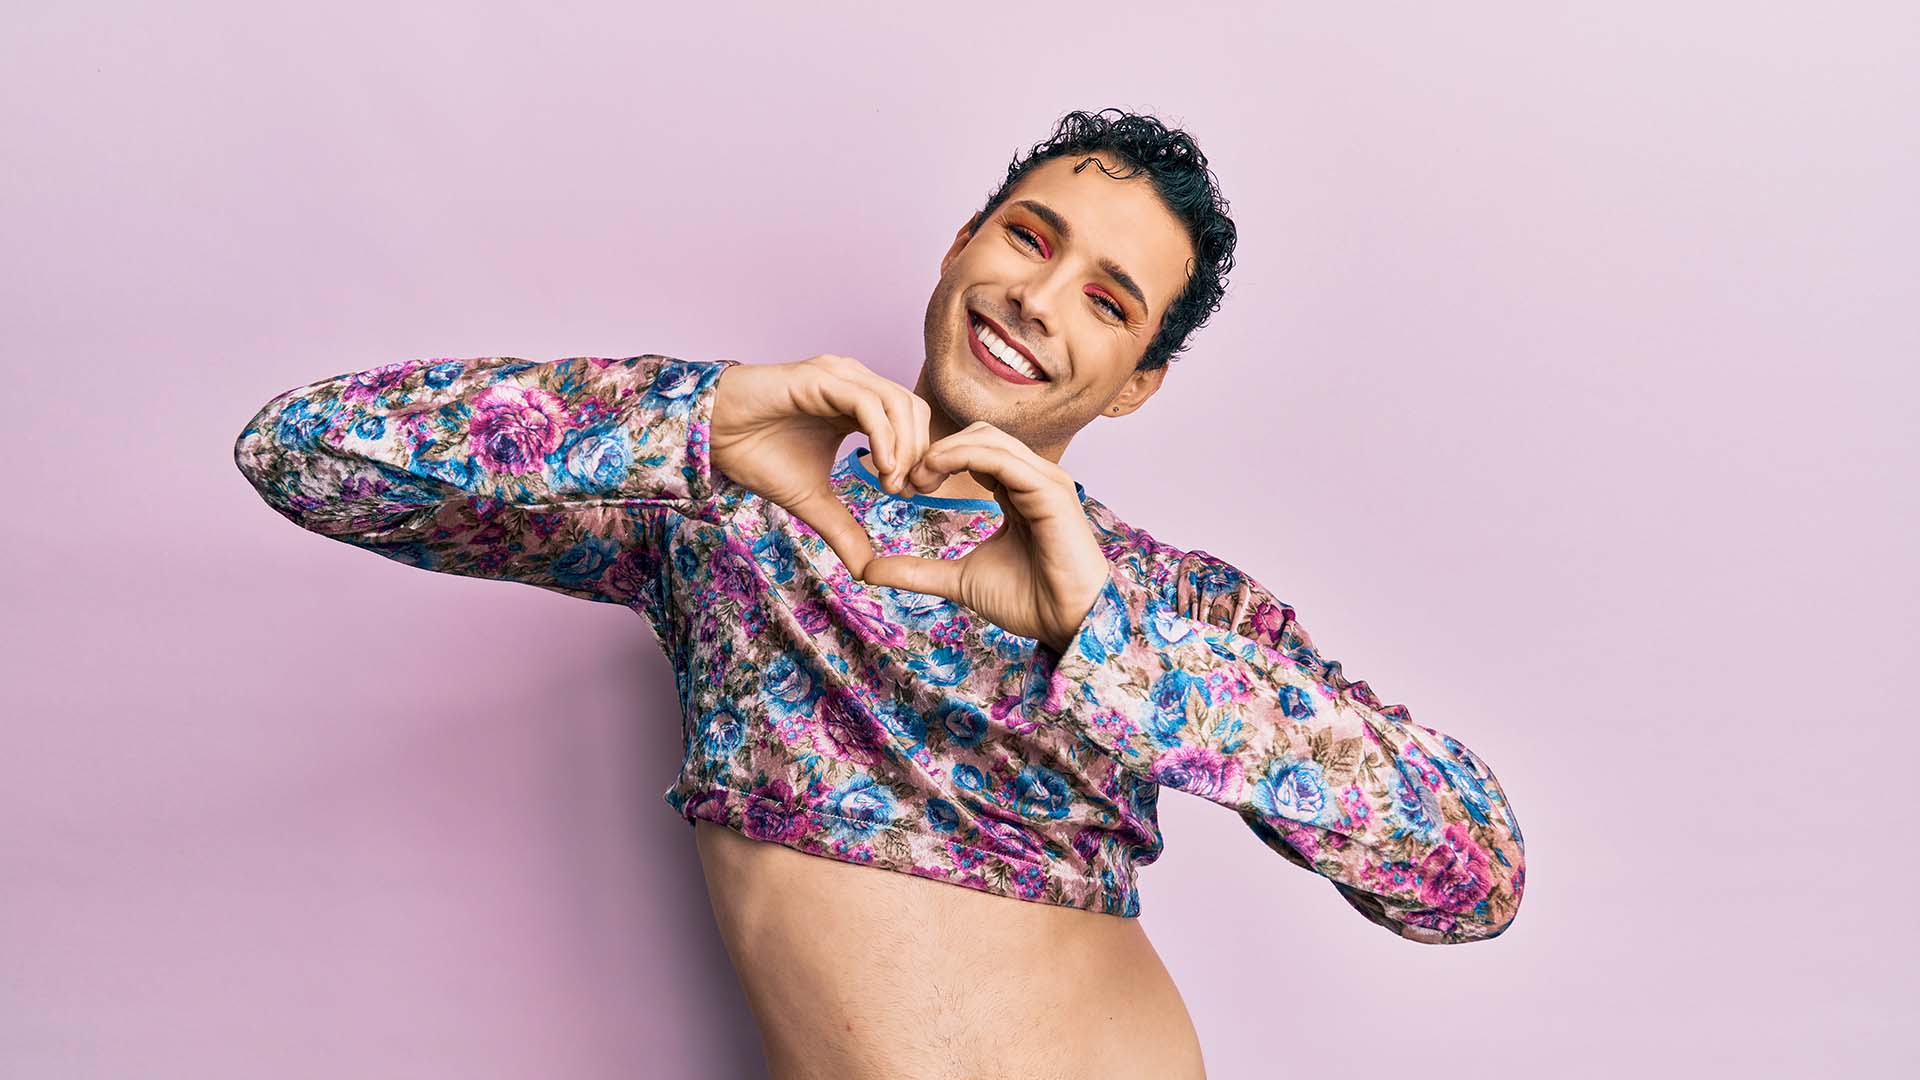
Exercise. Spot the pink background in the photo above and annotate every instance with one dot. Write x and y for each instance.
(1565, 386)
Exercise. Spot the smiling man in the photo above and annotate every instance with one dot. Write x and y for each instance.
(931, 688)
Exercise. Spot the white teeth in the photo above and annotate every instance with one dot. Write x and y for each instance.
(1007, 353)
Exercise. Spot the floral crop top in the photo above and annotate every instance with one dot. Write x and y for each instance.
(887, 727)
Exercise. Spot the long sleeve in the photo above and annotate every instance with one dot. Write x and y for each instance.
(1211, 686)
(495, 467)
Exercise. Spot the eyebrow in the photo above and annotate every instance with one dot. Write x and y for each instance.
(1059, 224)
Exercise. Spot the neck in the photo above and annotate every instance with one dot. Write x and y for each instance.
(962, 485)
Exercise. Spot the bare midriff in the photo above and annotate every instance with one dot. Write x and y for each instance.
(854, 972)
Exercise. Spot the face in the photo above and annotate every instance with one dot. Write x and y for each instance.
(1073, 269)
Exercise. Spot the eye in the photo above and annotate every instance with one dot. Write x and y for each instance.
(1026, 236)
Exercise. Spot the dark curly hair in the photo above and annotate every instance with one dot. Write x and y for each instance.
(1188, 189)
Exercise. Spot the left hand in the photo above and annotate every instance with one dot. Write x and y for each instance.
(1039, 574)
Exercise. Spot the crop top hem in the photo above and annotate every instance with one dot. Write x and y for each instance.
(991, 872)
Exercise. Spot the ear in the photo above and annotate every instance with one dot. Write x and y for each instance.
(959, 241)
(1139, 386)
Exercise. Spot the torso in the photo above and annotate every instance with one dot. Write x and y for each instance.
(855, 972)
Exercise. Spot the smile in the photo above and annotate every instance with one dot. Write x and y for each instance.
(999, 357)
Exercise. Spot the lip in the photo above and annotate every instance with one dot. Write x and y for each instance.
(993, 362)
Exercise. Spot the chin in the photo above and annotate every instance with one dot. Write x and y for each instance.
(948, 391)
(957, 386)
(951, 390)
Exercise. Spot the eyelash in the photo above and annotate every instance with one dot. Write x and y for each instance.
(1023, 231)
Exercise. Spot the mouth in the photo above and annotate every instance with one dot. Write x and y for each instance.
(999, 355)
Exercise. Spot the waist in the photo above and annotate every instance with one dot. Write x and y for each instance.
(887, 962)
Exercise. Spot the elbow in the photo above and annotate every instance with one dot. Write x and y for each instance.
(1473, 887)
(259, 445)
(255, 457)
(1510, 884)
(1493, 915)
(246, 457)
(266, 462)
(1472, 880)
(1466, 888)
(279, 471)
(1443, 925)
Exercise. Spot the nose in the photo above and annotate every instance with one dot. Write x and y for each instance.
(1034, 299)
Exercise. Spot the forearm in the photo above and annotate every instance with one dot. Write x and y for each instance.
(367, 446)
(1409, 823)
(495, 466)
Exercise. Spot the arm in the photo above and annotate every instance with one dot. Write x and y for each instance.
(1210, 685)
(495, 467)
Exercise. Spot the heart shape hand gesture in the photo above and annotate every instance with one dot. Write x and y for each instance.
(1039, 574)
(776, 429)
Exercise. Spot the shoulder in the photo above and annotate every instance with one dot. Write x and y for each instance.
(1136, 552)
(1195, 582)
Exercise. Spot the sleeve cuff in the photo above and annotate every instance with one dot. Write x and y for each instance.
(705, 483)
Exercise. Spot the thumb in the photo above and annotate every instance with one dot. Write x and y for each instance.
(939, 577)
(829, 517)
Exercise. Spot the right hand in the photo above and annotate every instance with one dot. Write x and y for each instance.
(776, 429)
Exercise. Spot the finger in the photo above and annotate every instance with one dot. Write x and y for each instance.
(829, 517)
(864, 404)
(927, 478)
(1014, 483)
(900, 415)
(923, 433)
(986, 433)
(924, 475)
(911, 419)
(938, 577)
(983, 454)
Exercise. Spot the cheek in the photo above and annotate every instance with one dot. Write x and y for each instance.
(1100, 364)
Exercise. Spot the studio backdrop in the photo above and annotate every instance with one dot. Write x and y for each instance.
(1563, 386)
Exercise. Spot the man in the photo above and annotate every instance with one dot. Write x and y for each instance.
(936, 655)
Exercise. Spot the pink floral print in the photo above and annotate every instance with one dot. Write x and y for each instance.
(883, 727)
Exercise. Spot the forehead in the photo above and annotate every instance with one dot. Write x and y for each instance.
(1122, 220)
